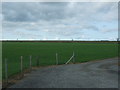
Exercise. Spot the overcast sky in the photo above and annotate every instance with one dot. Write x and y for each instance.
(60, 20)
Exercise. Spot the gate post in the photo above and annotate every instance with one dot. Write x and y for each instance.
(73, 57)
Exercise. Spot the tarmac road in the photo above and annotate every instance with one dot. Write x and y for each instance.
(95, 74)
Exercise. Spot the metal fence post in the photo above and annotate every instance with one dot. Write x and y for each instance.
(56, 58)
(73, 57)
(6, 71)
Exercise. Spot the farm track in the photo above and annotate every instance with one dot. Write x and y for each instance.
(96, 74)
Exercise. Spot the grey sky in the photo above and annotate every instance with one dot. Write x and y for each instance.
(60, 20)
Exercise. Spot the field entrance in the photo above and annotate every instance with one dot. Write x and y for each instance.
(94, 74)
(44, 53)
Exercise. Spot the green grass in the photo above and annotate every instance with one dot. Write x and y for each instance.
(0, 61)
(46, 52)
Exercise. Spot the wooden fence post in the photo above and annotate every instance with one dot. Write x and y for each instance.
(21, 64)
(6, 71)
(30, 63)
(37, 59)
(56, 58)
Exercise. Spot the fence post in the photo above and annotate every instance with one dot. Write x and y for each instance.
(21, 64)
(37, 58)
(56, 58)
(6, 71)
(30, 63)
(38, 61)
(73, 57)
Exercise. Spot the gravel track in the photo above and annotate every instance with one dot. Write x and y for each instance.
(95, 74)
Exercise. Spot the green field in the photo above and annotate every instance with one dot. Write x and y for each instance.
(45, 52)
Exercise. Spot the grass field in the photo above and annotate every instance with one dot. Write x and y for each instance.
(45, 51)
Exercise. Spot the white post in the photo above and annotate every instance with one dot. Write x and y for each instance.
(73, 57)
(6, 71)
(56, 59)
(21, 64)
(30, 62)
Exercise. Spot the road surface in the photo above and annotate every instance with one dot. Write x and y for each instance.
(95, 74)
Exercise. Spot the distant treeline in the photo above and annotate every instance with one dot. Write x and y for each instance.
(56, 41)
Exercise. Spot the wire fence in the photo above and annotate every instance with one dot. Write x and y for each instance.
(22, 65)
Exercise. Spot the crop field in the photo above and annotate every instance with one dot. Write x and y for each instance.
(45, 53)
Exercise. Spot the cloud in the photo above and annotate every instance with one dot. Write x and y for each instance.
(23, 12)
(33, 11)
(52, 19)
(109, 30)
